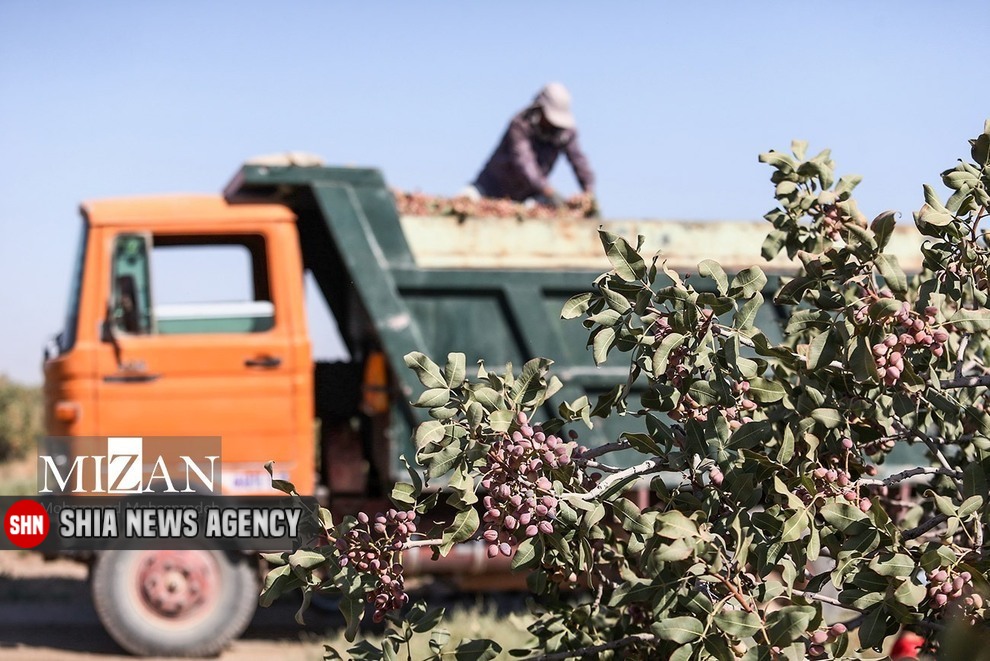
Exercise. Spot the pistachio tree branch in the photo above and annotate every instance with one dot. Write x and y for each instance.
(606, 485)
(966, 382)
(825, 599)
(925, 527)
(603, 449)
(908, 474)
(416, 543)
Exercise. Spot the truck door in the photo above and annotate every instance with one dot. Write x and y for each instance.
(198, 342)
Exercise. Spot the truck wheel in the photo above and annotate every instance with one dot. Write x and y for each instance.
(174, 603)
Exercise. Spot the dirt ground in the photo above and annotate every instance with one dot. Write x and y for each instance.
(46, 615)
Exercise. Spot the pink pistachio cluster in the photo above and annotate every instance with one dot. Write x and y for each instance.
(375, 545)
(737, 415)
(818, 640)
(834, 221)
(906, 329)
(950, 590)
(521, 502)
(836, 482)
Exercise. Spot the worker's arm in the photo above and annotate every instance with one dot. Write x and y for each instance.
(524, 158)
(580, 165)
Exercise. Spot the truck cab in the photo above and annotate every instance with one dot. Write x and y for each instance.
(145, 356)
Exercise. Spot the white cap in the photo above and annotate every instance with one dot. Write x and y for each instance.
(555, 101)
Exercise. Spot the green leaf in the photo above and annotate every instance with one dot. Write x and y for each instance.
(804, 320)
(777, 160)
(846, 185)
(748, 282)
(607, 317)
(428, 621)
(789, 623)
(674, 525)
(615, 300)
(528, 387)
(830, 418)
(738, 624)
(709, 268)
(893, 274)
(678, 629)
(703, 392)
(970, 505)
(427, 371)
(576, 306)
(488, 397)
(750, 435)
(884, 308)
(773, 244)
(910, 593)
(662, 353)
(861, 361)
(873, 630)
(528, 554)
(764, 391)
(820, 351)
(501, 420)
(455, 370)
(431, 431)
(604, 339)
(403, 493)
(433, 397)
(628, 264)
(438, 464)
(974, 480)
(898, 564)
(352, 609)
(931, 216)
(630, 517)
(794, 527)
(643, 442)
(841, 515)
(971, 320)
(747, 313)
(277, 582)
(474, 650)
(464, 526)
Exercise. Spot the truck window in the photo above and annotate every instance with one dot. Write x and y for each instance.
(131, 299)
(200, 285)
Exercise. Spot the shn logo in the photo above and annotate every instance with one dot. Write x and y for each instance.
(133, 465)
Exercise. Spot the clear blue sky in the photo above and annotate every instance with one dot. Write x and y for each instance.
(674, 101)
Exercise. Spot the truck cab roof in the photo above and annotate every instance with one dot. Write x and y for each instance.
(179, 208)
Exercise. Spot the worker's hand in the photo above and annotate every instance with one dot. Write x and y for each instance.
(551, 198)
(586, 203)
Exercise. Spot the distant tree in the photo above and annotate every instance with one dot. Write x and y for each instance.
(21, 418)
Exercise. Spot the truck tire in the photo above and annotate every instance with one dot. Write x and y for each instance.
(174, 603)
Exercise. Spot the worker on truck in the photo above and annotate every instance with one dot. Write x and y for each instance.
(518, 168)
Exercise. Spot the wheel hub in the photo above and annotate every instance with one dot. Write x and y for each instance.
(175, 584)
